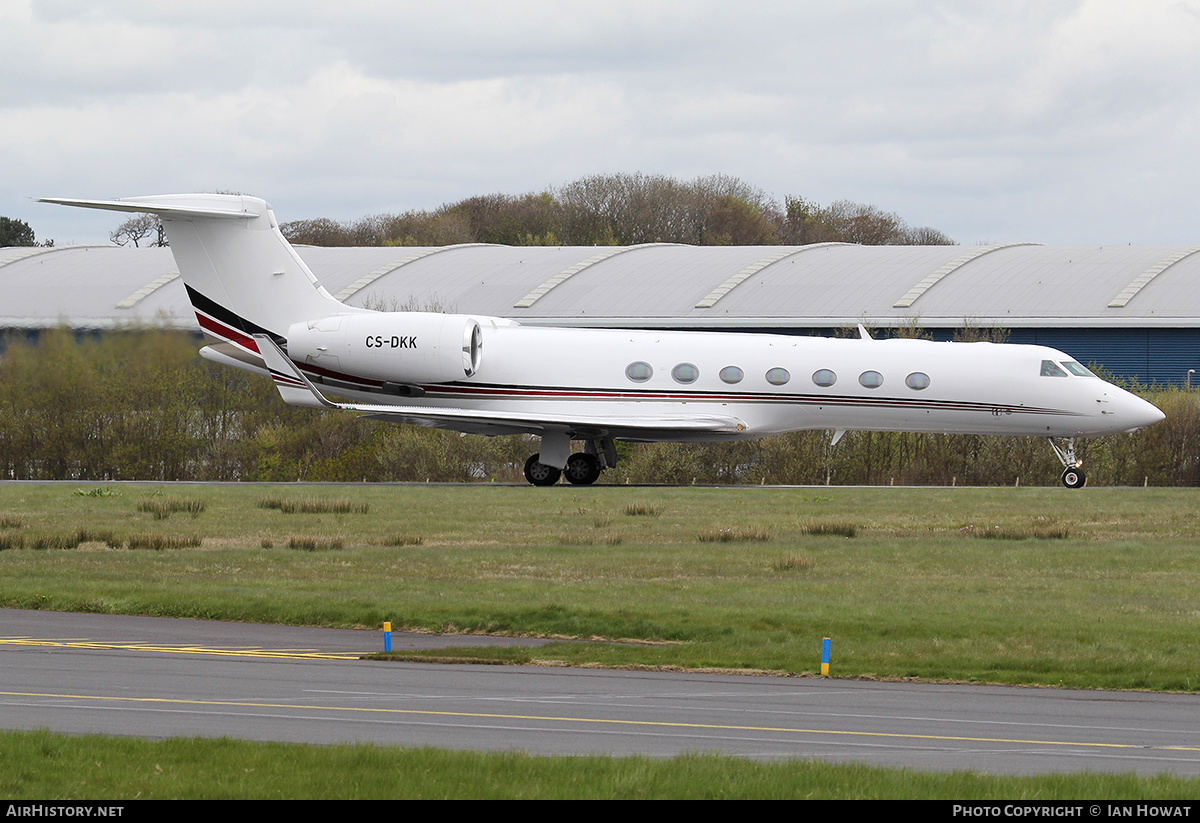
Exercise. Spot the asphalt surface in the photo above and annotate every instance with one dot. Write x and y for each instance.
(159, 677)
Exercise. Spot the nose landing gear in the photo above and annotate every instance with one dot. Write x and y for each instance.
(1072, 476)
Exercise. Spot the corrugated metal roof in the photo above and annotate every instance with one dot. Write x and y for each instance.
(1014, 285)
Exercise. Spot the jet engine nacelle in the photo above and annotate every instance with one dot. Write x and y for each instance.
(399, 347)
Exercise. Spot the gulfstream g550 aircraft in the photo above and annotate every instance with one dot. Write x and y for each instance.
(264, 311)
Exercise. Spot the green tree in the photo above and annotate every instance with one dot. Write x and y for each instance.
(845, 221)
(623, 209)
(320, 231)
(733, 221)
(15, 233)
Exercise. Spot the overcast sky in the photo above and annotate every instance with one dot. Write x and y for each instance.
(1064, 122)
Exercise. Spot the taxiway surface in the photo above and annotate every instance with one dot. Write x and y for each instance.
(158, 677)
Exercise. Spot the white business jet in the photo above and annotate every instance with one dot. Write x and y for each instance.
(263, 311)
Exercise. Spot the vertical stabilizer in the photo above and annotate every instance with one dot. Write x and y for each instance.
(241, 273)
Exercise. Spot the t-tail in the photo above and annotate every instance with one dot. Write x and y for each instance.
(242, 276)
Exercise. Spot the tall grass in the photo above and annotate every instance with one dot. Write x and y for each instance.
(163, 509)
(792, 562)
(160, 542)
(733, 535)
(832, 529)
(1036, 533)
(314, 544)
(311, 506)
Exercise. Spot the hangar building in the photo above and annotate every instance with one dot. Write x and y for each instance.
(1133, 309)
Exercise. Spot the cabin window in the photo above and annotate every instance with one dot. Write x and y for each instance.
(685, 373)
(732, 374)
(1077, 369)
(639, 372)
(1051, 369)
(917, 380)
(824, 377)
(871, 379)
(777, 376)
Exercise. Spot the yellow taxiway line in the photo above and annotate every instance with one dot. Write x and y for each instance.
(245, 651)
(303, 654)
(308, 707)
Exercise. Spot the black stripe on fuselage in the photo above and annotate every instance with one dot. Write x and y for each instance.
(495, 391)
(235, 321)
(510, 392)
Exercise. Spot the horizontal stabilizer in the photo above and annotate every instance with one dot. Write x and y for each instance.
(217, 356)
(171, 205)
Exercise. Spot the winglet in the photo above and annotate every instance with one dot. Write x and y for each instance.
(294, 387)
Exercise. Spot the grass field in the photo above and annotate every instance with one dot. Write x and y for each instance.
(1092, 588)
(42, 766)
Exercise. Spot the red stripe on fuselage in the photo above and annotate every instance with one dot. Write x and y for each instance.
(514, 393)
(232, 335)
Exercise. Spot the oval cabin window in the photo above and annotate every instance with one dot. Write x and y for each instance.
(824, 377)
(639, 372)
(685, 373)
(777, 376)
(917, 380)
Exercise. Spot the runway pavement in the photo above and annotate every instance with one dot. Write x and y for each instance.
(158, 677)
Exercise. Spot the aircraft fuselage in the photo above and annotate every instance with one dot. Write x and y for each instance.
(779, 383)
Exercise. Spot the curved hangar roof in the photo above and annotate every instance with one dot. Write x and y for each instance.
(659, 285)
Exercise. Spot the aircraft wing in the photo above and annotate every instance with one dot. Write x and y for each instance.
(298, 390)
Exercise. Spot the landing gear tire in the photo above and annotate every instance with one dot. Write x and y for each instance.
(539, 474)
(1072, 476)
(582, 469)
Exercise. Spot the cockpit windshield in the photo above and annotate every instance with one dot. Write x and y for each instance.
(1052, 369)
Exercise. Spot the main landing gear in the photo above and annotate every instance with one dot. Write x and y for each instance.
(581, 468)
(539, 474)
(1072, 476)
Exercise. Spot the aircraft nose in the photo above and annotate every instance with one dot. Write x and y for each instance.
(1134, 413)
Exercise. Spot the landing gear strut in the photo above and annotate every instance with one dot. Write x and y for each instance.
(581, 468)
(1072, 476)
